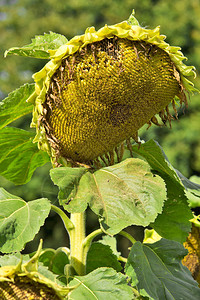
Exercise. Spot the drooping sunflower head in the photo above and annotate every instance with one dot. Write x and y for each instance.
(25, 281)
(24, 288)
(100, 88)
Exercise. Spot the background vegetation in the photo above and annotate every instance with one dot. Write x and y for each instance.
(23, 19)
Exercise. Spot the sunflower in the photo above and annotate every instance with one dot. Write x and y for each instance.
(24, 288)
(192, 259)
(24, 281)
(100, 88)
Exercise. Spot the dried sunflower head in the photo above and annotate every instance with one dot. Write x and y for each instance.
(101, 87)
(192, 259)
(24, 288)
(23, 281)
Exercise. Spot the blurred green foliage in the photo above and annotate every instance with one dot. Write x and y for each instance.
(21, 20)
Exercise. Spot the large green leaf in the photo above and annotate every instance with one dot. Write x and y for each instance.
(155, 156)
(39, 46)
(100, 255)
(19, 155)
(174, 222)
(124, 194)
(101, 284)
(15, 105)
(19, 220)
(158, 273)
(189, 183)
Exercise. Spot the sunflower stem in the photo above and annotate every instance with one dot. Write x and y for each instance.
(87, 242)
(67, 222)
(128, 236)
(77, 236)
(122, 259)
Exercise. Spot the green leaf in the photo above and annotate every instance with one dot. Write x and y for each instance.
(59, 261)
(13, 259)
(19, 220)
(67, 179)
(155, 156)
(15, 105)
(19, 155)
(174, 222)
(188, 184)
(111, 242)
(193, 191)
(46, 256)
(48, 274)
(10, 259)
(39, 46)
(157, 271)
(100, 255)
(101, 284)
(154, 146)
(194, 198)
(55, 260)
(122, 195)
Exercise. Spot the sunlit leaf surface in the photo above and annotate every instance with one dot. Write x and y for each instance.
(101, 284)
(124, 194)
(15, 105)
(20, 220)
(39, 46)
(19, 155)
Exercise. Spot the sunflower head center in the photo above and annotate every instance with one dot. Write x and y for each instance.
(104, 93)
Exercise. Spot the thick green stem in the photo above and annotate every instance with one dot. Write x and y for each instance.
(76, 229)
(77, 236)
(79, 244)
